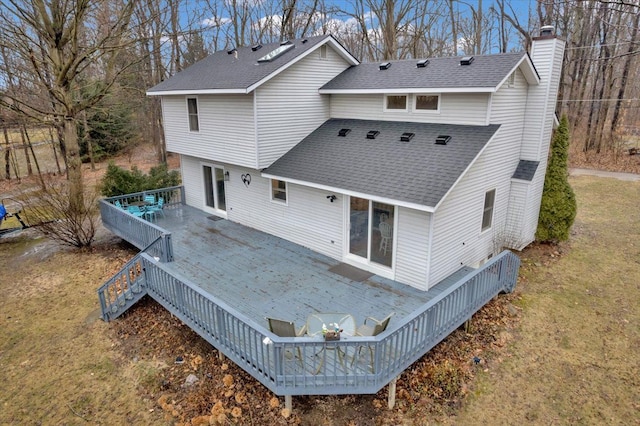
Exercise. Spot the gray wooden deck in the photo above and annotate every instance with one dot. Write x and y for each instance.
(222, 279)
(265, 276)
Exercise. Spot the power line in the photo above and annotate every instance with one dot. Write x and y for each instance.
(599, 100)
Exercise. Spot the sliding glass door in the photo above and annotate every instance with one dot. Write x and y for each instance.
(214, 191)
(371, 231)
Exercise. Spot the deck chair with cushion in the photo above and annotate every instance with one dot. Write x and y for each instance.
(371, 327)
(287, 329)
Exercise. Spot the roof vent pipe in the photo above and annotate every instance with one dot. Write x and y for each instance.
(547, 31)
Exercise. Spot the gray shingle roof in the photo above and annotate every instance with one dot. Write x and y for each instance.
(225, 72)
(418, 172)
(486, 71)
(526, 170)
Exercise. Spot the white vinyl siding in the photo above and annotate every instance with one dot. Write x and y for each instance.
(516, 236)
(226, 128)
(547, 56)
(412, 247)
(289, 106)
(309, 218)
(454, 109)
(458, 239)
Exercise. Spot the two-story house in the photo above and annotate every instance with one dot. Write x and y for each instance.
(408, 169)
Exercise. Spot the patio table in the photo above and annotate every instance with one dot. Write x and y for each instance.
(346, 322)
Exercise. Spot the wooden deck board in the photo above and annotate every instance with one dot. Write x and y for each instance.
(262, 275)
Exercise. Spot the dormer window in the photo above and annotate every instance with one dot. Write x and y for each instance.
(396, 103)
(426, 103)
(192, 111)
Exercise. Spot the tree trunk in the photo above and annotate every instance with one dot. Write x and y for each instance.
(74, 165)
(7, 155)
(25, 148)
(55, 151)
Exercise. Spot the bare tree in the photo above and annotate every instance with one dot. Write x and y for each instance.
(56, 27)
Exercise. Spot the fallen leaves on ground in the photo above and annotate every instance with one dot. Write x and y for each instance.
(433, 387)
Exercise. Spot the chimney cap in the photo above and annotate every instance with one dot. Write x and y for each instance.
(547, 30)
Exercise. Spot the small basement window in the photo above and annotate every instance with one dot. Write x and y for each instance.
(279, 191)
(426, 102)
(395, 103)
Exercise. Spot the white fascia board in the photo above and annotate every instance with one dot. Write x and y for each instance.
(198, 92)
(331, 40)
(464, 173)
(406, 90)
(341, 191)
(528, 70)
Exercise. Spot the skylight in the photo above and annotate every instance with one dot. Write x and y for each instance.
(372, 134)
(422, 63)
(276, 52)
(344, 132)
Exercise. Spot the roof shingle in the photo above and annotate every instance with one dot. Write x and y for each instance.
(486, 71)
(223, 71)
(418, 172)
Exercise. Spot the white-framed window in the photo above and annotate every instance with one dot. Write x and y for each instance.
(487, 212)
(426, 103)
(323, 51)
(396, 103)
(279, 191)
(192, 111)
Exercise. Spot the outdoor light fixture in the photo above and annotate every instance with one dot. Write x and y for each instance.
(226, 176)
(332, 198)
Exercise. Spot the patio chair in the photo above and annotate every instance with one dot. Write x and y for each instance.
(150, 200)
(287, 329)
(157, 208)
(374, 328)
(118, 204)
(136, 211)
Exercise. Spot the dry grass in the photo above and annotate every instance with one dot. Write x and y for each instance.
(58, 365)
(576, 358)
(572, 358)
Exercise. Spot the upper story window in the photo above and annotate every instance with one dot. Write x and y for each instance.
(487, 214)
(426, 103)
(323, 51)
(279, 191)
(395, 103)
(192, 109)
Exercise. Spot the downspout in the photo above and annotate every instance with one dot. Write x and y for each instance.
(255, 128)
(432, 219)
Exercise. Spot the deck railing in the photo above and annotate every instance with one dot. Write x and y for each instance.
(311, 366)
(126, 287)
(138, 231)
